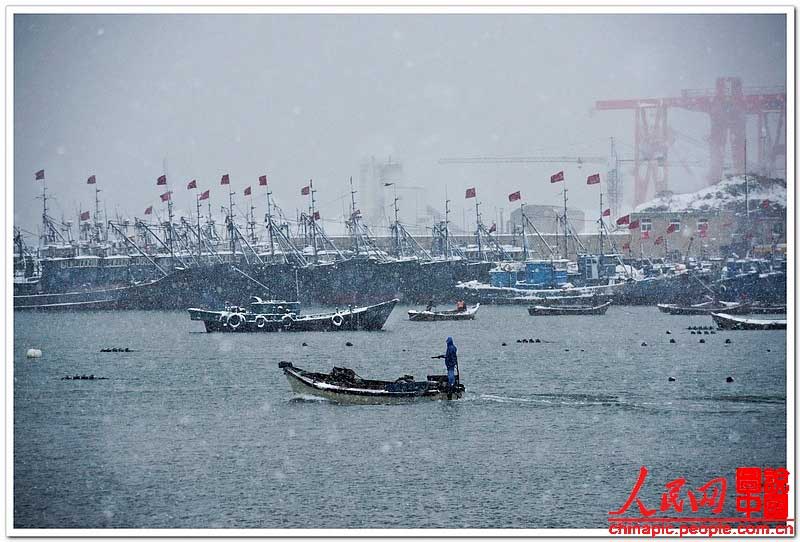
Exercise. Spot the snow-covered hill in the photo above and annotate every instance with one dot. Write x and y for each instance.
(727, 195)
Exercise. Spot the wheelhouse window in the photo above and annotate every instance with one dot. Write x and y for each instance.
(646, 224)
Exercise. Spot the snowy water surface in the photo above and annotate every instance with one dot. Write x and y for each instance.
(199, 430)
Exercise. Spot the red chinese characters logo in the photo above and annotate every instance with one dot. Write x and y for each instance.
(709, 495)
(763, 491)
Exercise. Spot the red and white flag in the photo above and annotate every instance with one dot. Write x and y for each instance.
(316, 215)
(225, 179)
(703, 232)
(607, 212)
(262, 181)
(248, 191)
(40, 175)
(161, 180)
(149, 210)
(85, 215)
(192, 184)
(515, 196)
(633, 225)
(306, 190)
(91, 180)
(558, 177)
(659, 240)
(765, 204)
(624, 220)
(166, 196)
(493, 228)
(593, 179)
(671, 228)
(205, 195)
(470, 193)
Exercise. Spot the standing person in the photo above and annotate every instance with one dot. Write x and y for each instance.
(451, 361)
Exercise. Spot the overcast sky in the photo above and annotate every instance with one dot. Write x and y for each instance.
(299, 97)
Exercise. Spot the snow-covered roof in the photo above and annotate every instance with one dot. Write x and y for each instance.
(727, 195)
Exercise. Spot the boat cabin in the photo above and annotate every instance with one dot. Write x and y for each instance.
(273, 306)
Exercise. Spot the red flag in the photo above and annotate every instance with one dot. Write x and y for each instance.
(514, 196)
(624, 220)
(672, 227)
(192, 184)
(149, 210)
(607, 212)
(85, 215)
(493, 228)
(262, 181)
(91, 180)
(558, 177)
(646, 234)
(765, 204)
(305, 191)
(205, 195)
(470, 193)
(626, 246)
(40, 175)
(166, 196)
(593, 179)
(703, 232)
(161, 180)
(659, 240)
(633, 225)
(225, 179)
(316, 215)
(248, 191)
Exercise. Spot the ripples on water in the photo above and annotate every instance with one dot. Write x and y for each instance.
(201, 430)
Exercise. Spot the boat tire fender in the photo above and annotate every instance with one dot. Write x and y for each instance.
(235, 320)
(261, 321)
(337, 319)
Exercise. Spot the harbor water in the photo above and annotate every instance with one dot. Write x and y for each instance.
(200, 430)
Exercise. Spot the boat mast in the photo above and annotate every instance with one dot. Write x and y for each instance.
(252, 224)
(199, 241)
(313, 220)
(45, 222)
(601, 224)
(478, 229)
(524, 237)
(269, 226)
(566, 249)
(353, 215)
(231, 232)
(446, 226)
(97, 226)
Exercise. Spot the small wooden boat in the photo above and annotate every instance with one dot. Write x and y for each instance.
(726, 321)
(467, 313)
(564, 310)
(284, 316)
(706, 308)
(345, 386)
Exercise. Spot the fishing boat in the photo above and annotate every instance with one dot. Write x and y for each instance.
(276, 315)
(706, 308)
(345, 386)
(564, 310)
(726, 321)
(459, 313)
(767, 309)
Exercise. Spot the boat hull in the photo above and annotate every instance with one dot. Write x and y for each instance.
(303, 385)
(539, 310)
(702, 311)
(370, 318)
(432, 316)
(726, 321)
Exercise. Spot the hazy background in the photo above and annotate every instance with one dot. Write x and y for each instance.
(299, 97)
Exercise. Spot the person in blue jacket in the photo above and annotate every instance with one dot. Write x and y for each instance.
(450, 361)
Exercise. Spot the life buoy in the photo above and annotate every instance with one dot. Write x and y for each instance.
(261, 321)
(235, 320)
(287, 321)
(337, 320)
(507, 267)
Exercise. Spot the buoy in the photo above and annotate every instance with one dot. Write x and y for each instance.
(705, 333)
(768, 350)
(729, 379)
(33, 353)
(671, 379)
(692, 332)
(525, 341)
(644, 344)
(538, 340)
(566, 350)
(348, 343)
(727, 341)
(504, 344)
(669, 332)
(530, 340)
(702, 340)
(672, 341)
(519, 340)
(305, 344)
